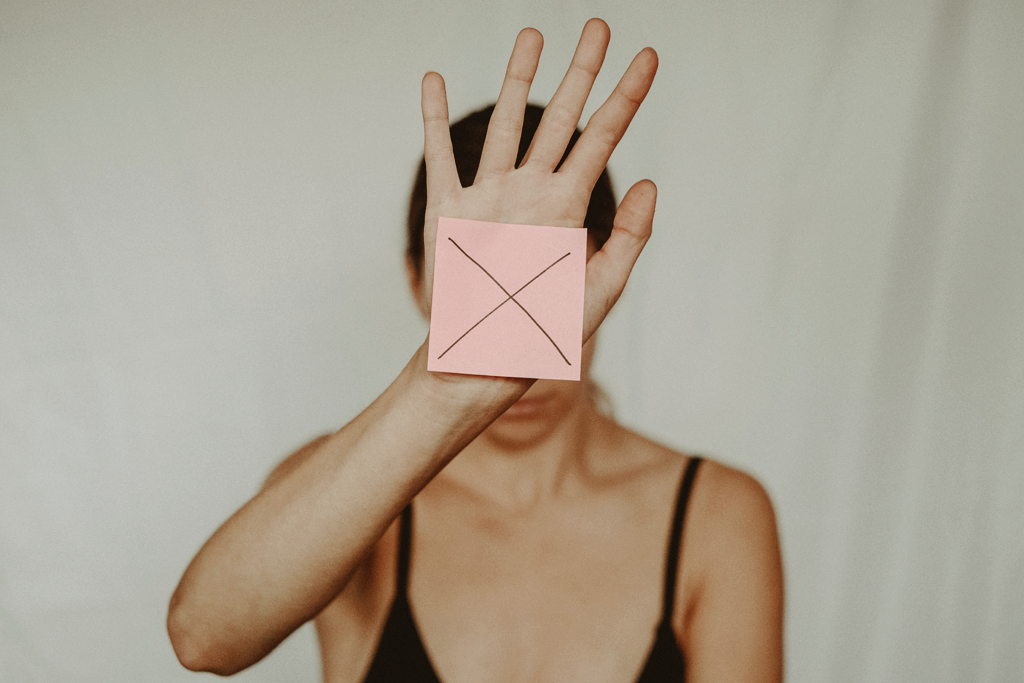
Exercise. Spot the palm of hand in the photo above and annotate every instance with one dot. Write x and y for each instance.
(534, 193)
(523, 196)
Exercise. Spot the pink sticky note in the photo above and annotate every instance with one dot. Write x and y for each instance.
(508, 300)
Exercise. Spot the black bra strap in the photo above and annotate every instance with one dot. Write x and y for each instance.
(675, 539)
(404, 550)
(671, 561)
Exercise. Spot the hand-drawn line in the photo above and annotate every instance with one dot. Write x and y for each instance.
(511, 297)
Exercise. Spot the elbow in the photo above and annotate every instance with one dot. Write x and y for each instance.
(196, 648)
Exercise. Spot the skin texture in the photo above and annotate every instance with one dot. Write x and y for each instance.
(538, 551)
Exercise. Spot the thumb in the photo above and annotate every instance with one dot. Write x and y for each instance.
(609, 269)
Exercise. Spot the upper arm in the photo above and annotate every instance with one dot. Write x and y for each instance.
(734, 627)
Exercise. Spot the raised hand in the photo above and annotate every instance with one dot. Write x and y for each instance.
(535, 193)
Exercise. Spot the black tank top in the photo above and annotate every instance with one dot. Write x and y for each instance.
(401, 656)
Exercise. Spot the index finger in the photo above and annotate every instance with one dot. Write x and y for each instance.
(442, 174)
(609, 123)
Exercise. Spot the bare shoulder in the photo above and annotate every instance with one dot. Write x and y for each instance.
(732, 617)
(729, 510)
(732, 504)
(729, 615)
(729, 502)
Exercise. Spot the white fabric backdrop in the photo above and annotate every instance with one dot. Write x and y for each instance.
(201, 209)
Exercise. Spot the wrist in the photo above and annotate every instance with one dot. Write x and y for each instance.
(466, 399)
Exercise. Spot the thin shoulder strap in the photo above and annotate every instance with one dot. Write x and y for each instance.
(675, 539)
(404, 550)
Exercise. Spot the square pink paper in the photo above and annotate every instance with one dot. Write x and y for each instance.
(508, 300)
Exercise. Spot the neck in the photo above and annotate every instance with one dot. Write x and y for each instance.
(507, 466)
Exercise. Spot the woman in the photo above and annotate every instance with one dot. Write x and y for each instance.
(554, 546)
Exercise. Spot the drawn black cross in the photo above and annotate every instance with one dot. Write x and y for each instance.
(510, 297)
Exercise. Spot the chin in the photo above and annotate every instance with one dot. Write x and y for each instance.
(530, 420)
(514, 435)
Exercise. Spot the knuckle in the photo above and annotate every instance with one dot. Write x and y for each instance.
(590, 68)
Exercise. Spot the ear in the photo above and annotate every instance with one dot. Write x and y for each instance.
(416, 287)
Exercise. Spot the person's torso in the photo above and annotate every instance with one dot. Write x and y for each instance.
(545, 595)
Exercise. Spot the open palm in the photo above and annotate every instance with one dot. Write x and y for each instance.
(535, 193)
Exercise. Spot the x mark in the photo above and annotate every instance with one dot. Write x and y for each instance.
(510, 297)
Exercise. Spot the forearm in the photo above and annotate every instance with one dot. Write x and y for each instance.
(286, 554)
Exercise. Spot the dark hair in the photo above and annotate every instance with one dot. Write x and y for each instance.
(467, 143)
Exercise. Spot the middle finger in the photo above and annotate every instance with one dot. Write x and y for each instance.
(506, 125)
(563, 112)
